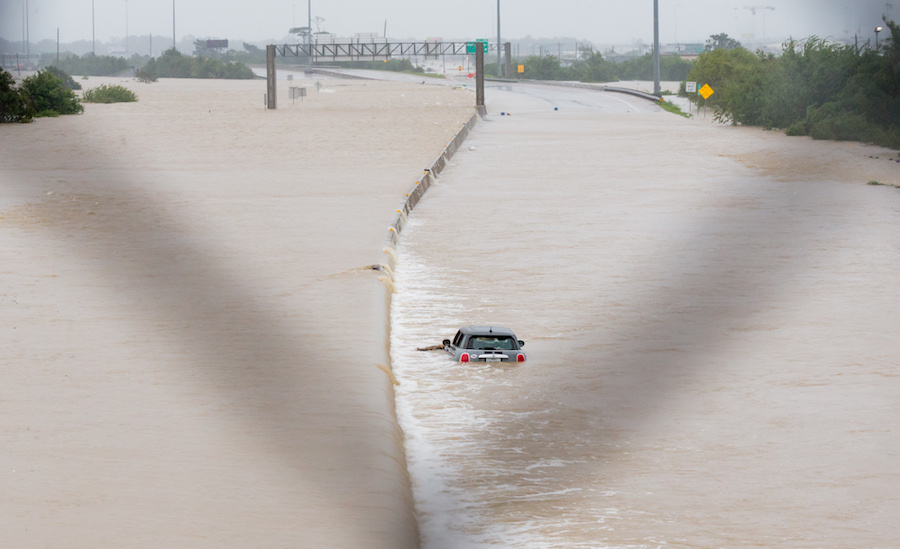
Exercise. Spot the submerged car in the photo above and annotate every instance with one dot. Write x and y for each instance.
(485, 344)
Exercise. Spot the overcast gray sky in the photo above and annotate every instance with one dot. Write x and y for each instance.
(600, 21)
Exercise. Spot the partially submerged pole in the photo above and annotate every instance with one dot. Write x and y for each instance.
(656, 89)
(479, 78)
(499, 67)
(507, 51)
(271, 102)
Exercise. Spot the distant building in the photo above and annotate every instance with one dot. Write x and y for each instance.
(683, 49)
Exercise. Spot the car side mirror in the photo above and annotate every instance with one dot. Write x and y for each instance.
(521, 343)
(446, 342)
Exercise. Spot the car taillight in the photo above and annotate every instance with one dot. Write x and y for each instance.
(464, 357)
(520, 358)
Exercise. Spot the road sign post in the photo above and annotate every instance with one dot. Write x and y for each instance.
(705, 92)
(479, 80)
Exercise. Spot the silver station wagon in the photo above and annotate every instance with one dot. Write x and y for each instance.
(485, 344)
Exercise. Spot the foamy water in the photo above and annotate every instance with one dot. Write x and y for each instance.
(708, 313)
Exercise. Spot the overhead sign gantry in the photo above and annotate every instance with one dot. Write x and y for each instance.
(355, 51)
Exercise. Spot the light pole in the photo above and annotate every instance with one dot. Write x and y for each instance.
(877, 30)
(656, 90)
(675, 25)
(173, 25)
(499, 70)
(27, 33)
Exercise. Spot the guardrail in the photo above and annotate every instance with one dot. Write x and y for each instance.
(586, 86)
(418, 191)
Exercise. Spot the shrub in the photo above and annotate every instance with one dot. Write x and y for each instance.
(671, 67)
(109, 94)
(49, 95)
(67, 80)
(797, 129)
(93, 65)
(144, 75)
(15, 106)
(173, 64)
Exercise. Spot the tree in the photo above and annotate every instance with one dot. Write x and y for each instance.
(303, 33)
(67, 80)
(49, 95)
(15, 106)
(200, 50)
(721, 42)
(542, 68)
(593, 68)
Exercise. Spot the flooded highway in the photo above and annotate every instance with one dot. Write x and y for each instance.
(709, 314)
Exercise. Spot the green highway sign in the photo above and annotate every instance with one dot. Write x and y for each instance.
(470, 46)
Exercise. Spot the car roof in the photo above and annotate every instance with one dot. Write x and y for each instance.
(487, 330)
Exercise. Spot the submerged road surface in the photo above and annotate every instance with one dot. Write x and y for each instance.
(709, 317)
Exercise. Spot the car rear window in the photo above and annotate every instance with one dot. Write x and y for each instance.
(505, 343)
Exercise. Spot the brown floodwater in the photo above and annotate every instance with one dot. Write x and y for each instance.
(710, 318)
(193, 339)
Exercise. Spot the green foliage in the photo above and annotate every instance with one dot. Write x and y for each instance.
(721, 42)
(67, 80)
(49, 95)
(144, 75)
(815, 88)
(593, 68)
(15, 106)
(543, 68)
(251, 54)
(173, 64)
(671, 67)
(93, 65)
(109, 94)
(303, 33)
(731, 73)
(674, 109)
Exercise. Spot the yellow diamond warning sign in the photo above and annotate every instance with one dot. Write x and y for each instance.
(706, 91)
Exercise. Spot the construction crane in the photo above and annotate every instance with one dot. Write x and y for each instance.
(754, 9)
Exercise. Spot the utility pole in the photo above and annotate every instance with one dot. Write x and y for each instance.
(479, 78)
(24, 10)
(499, 70)
(93, 30)
(173, 25)
(656, 90)
(27, 33)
